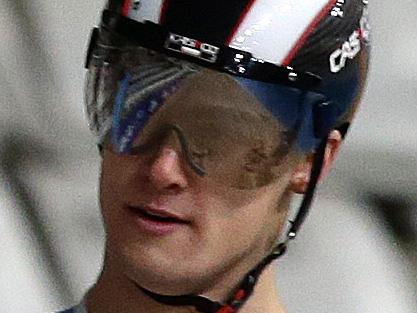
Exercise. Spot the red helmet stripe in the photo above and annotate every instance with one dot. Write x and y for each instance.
(164, 9)
(142, 11)
(126, 7)
(308, 31)
(241, 19)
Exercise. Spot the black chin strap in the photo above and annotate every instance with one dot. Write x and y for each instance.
(236, 300)
(245, 289)
(311, 188)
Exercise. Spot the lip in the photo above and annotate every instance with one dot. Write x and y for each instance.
(153, 226)
(163, 211)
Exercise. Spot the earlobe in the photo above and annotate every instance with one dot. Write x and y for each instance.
(334, 142)
(301, 174)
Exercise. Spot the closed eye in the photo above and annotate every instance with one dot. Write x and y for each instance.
(150, 144)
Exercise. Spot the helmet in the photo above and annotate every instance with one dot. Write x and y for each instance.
(306, 63)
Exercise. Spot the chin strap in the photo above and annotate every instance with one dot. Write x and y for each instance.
(245, 289)
(311, 188)
(235, 301)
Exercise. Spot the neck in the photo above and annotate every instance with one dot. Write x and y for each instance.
(114, 292)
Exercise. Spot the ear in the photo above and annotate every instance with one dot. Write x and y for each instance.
(301, 174)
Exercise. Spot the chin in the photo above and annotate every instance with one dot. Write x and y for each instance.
(166, 275)
(167, 280)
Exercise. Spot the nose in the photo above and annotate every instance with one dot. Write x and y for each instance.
(166, 172)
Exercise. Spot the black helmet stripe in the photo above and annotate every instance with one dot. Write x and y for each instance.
(308, 31)
(329, 35)
(210, 21)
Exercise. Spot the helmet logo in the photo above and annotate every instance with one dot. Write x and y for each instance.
(349, 49)
(352, 46)
(192, 48)
(136, 5)
(337, 10)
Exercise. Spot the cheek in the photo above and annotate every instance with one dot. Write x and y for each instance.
(119, 176)
(240, 224)
(110, 202)
(114, 188)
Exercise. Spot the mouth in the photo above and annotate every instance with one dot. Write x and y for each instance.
(156, 221)
(158, 216)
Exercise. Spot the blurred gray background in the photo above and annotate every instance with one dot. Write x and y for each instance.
(357, 252)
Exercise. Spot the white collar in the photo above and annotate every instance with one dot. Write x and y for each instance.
(81, 308)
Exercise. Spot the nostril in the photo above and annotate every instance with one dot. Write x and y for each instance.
(174, 188)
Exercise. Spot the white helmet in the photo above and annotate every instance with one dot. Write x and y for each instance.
(311, 55)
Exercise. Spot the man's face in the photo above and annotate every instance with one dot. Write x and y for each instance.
(218, 232)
